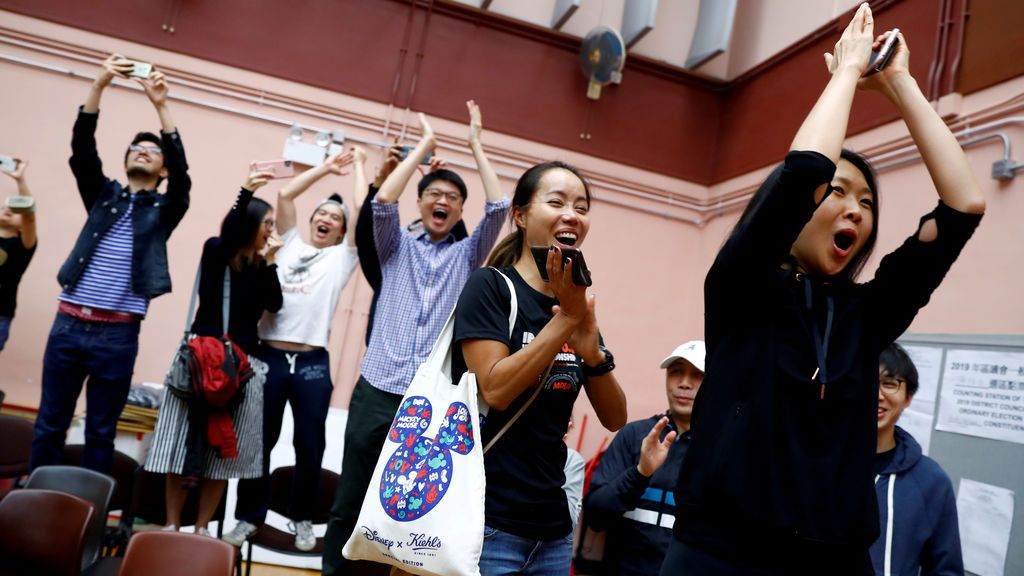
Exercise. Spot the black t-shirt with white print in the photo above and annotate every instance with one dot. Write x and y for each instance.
(525, 467)
(14, 259)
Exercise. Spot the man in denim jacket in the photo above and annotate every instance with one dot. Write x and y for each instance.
(118, 264)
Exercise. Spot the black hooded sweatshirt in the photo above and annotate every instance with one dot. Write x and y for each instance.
(778, 474)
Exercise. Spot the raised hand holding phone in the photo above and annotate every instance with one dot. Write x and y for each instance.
(897, 67)
(257, 178)
(580, 273)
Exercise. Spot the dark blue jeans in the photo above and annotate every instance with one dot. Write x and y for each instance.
(5, 330)
(302, 379)
(77, 352)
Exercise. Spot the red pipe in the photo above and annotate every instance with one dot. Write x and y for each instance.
(954, 68)
(403, 51)
(936, 66)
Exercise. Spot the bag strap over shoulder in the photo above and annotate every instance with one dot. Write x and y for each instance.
(225, 310)
(514, 308)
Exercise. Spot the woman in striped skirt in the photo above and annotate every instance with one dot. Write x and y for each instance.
(244, 252)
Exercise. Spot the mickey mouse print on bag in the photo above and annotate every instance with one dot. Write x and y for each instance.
(419, 472)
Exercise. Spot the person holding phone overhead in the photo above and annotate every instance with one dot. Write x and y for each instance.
(554, 351)
(17, 245)
(422, 273)
(369, 262)
(294, 345)
(117, 266)
(778, 477)
(241, 257)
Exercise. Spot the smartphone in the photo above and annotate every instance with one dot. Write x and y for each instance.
(580, 272)
(8, 164)
(408, 149)
(279, 168)
(140, 69)
(880, 59)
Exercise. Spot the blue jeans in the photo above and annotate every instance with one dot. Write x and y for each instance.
(5, 330)
(506, 553)
(102, 353)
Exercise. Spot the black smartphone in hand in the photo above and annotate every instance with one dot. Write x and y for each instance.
(879, 60)
(580, 272)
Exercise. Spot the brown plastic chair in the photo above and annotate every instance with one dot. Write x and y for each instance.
(280, 494)
(149, 502)
(16, 446)
(42, 532)
(122, 470)
(176, 553)
(87, 484)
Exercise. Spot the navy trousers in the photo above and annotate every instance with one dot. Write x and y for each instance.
(302, 379)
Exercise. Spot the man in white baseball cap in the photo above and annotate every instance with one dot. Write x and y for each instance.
(631, 491)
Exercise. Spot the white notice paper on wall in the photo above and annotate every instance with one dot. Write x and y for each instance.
(983, 395)
(918, 418)
(986, 516)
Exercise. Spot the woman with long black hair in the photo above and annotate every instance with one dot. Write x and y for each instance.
(555, 345)
(778, 477)
(244, 251)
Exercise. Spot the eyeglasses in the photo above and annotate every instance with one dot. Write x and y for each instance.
(436, 194)
(890, 386)
(151, 150)
(268, 223)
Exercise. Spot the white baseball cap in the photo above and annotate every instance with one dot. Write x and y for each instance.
(692, 351)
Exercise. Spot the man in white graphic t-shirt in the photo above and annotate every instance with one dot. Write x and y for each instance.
(312, 276)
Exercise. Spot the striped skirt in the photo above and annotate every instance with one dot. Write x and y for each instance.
(170, 440)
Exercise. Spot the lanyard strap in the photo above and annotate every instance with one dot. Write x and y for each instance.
(820, 343)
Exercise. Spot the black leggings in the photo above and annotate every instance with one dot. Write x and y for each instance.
(370, 415)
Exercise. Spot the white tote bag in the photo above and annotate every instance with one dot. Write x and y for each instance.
(424, 508)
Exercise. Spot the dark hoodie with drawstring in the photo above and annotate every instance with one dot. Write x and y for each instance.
(778, 474)
(920, 516)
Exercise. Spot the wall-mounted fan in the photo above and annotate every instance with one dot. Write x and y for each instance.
(602, 56)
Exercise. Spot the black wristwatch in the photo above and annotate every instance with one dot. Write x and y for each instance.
(603, 368)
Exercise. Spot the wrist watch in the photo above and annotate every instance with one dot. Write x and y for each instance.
(603, 368)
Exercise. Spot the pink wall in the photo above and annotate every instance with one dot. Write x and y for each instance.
(648, 262)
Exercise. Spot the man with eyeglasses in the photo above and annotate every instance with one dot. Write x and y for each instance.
(118, 264)
(916, 504)
(423, 272)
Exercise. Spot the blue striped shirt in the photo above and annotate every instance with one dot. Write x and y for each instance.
(106, 282)
(421, 281)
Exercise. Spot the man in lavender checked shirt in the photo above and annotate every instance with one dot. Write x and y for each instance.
(423, 273)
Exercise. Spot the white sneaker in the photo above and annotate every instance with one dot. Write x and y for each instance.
(240, 533)
(169, 528)
(204, 532)
(305, 540)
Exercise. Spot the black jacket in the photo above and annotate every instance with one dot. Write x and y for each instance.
(636, 544)
(775, 471)
(154, 216)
